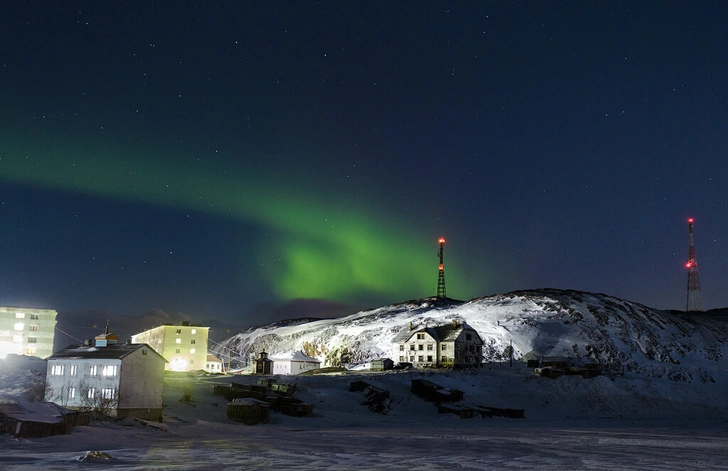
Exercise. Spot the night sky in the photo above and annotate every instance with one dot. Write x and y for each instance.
(237, 163)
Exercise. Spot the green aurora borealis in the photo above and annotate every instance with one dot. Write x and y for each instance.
(314, 242)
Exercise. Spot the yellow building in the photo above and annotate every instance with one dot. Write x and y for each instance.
(183, 346)
(27, 331)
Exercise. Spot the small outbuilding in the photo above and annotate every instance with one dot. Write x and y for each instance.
(381, 364)
(39, 419)
(213, 364)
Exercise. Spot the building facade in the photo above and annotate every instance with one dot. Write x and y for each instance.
(183, 346)
(454, 345)
(27, 331)
(293, 363)
(213, 364)
(116, 380)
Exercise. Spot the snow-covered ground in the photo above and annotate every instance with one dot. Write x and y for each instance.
(620, 422)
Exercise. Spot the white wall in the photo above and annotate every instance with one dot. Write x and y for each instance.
(58, 388)
(142, 380)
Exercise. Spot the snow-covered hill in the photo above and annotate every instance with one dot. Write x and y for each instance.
(619, 334)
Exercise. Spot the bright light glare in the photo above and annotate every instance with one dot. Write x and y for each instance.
(7, 348)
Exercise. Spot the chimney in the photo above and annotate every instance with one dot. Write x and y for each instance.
(409, 325)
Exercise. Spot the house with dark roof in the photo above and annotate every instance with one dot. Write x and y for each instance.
(116, 380)
(453, 345)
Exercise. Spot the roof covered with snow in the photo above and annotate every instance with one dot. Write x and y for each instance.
(110, 352)
(293, 356)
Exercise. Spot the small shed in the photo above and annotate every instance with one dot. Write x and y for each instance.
(213, 364)
(381, 364)
(39, 419)
(248, 411)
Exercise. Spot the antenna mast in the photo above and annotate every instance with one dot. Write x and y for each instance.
(694, 295)
(441, 272)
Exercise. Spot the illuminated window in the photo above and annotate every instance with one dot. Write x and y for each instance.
(109, 370)
(57, 370)
(31, 351)
(107, 393)
(93, 370)
(192, 350)
(177, 340)
(19, 326)
(20, 315)
(91, 393)
(193, 331)
(72, 370)
(71, 392)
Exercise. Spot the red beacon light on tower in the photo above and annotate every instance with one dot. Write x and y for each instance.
(441, 271)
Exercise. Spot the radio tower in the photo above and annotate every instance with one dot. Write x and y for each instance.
(694, 294)
(441, 272)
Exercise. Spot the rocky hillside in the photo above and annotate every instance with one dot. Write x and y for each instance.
(585, 327)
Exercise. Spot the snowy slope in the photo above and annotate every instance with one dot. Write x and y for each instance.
(584, 327)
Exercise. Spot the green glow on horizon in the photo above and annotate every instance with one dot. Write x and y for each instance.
(318, 248)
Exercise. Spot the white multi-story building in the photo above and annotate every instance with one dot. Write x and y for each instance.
(26, 331)
(112, 379)
(183, 346)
